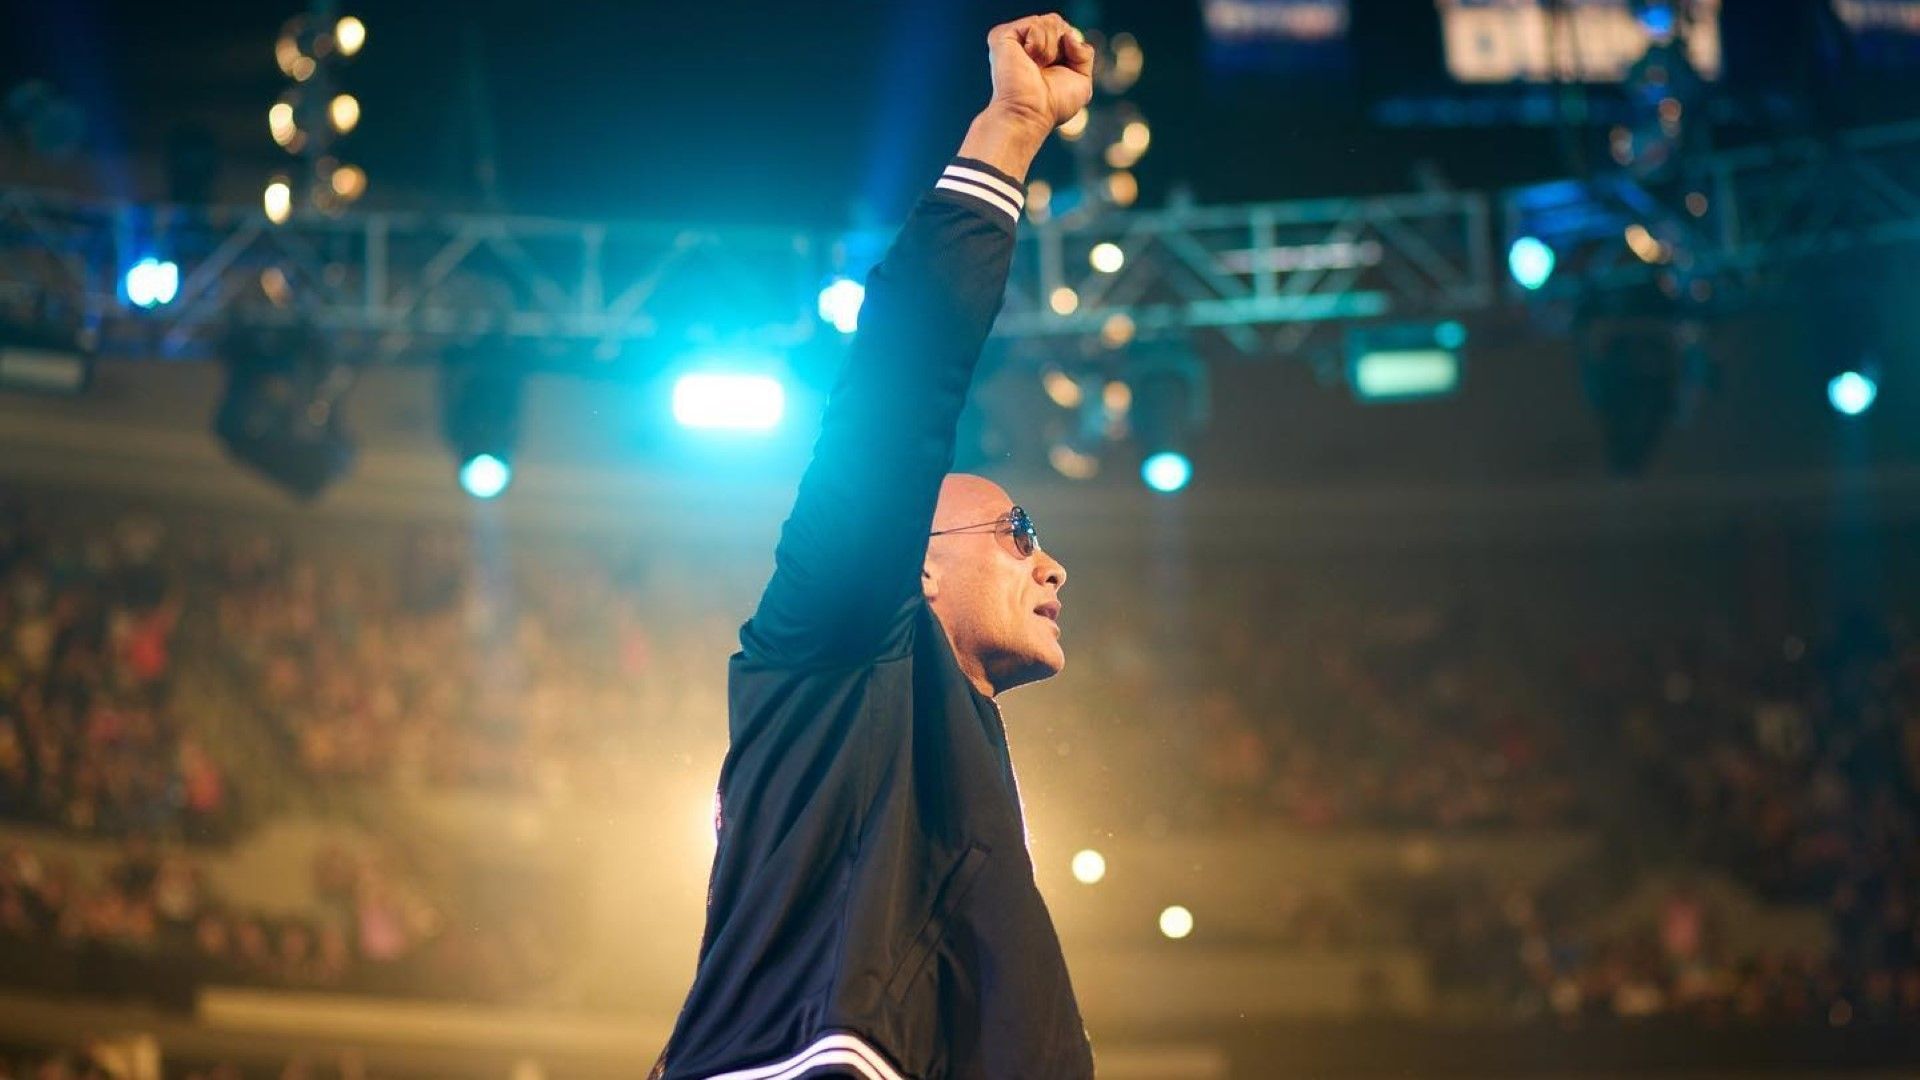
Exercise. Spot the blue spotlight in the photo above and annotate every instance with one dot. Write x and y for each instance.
(1851, 392)
(840, 304)
(152, 282)
(1166, 471)
(1657, 19)
(484, 476)
(1530, 261)
(725, 402)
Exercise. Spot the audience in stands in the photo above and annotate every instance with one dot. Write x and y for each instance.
(88, 739)
(430, 659)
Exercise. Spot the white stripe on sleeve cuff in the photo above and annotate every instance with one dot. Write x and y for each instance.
(985, 187)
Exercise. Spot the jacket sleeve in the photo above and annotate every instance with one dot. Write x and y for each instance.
(846, 576)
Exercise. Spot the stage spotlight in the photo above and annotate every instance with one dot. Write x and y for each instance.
(344, 112)
(485, 476)
(1062, 388)
(350, 34)
(1530, 261)
(1064, 300)
(480, 415)
(1644, 245)
(1167, 471)
(728, 402)
(277, 201)
(281, 411)
(1656, 18)
(1165, 402)
(283, 125)
(1852, 392)
(152, 282)
(1176, 922)
(349, 182)
(1089, 866)
(290, 50)
(840, 304)
(1107, 258)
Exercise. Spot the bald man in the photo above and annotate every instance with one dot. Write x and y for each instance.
(872, 911)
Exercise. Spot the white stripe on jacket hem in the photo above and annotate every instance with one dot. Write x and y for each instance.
(836, 1049)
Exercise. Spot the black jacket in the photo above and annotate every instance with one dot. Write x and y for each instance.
(872, 910)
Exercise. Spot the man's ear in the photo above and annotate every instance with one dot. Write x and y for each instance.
(929, 580)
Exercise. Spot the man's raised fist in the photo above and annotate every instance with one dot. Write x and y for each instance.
(1042, 69)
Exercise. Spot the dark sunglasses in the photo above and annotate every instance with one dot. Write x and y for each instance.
(1025, 540)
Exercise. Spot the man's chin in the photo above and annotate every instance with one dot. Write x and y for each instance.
(1048, 660)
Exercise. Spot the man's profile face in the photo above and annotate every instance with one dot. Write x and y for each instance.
(999, 608)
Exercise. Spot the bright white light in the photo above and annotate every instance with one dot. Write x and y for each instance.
(1851, 393)
(281, 123)
(349, 33)
(1107, 258)
(840, 304)
(152, 282)
(713, 401)
(1176, 922)
(278, 201)
(485, 476)
(1530, 261)
(1089, 866)
(1167, 471)
(344, 111)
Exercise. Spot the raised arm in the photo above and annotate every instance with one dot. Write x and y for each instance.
(847, 570)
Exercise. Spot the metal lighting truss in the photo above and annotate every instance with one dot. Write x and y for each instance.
(383, 285)
(1759, 210)
(386, 284)
(391, 285)
(1258, 275)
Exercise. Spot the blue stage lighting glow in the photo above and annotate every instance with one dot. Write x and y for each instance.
(726, 402)
(1851, 393)
(1166, 471)
(152, 282)
(1530, 261)
(1656, 18)
(484, 476)
(840, 304)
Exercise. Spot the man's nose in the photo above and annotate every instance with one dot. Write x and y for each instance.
(1048, 571)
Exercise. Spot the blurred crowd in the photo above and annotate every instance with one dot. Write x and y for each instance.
(114, 1061)
(89, 740)
(466, 661)
(430, 661)
(152, 913)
